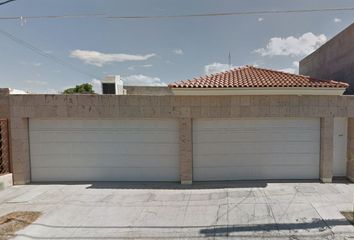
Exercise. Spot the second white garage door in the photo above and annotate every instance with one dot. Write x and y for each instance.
(104, 150)
(250, 149)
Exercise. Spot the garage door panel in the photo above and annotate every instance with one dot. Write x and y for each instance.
(104, 174)
(92, 150)
(102, 148)
(105, 160)
(259, 173)
(255, 147)
(306, 123)
(79, 124)
(229, 136)
(242, 149)
(228, 160)
(109, 136)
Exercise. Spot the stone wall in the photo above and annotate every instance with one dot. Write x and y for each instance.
(184, 108)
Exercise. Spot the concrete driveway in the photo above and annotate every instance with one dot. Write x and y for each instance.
(171, 211)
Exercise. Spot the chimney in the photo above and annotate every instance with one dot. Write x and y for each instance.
(112, 85)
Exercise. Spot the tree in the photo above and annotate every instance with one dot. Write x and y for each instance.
(85, 88)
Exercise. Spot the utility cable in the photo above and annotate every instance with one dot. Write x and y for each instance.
(45, 54)
(8, 1)
(217, 14)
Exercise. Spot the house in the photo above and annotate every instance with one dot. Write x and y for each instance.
(251, 80)
(333, 60)
(244, 124)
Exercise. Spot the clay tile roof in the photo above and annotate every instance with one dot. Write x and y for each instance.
(254, 77)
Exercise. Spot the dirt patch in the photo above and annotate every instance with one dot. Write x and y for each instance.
(15, 221)
(349, 216)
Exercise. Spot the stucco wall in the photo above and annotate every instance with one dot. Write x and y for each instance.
(334, 60)
(185, 108)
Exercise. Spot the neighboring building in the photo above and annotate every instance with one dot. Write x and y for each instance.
(17, 91)
(333, 60)
(112, 84)
(251, 80)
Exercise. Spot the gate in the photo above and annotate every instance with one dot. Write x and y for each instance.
(4, 148)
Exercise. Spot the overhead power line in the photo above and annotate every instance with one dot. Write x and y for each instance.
(8, 1)
(216, 14)
(39, 51)
(236, 13)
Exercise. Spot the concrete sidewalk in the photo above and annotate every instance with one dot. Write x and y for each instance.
(251, 210)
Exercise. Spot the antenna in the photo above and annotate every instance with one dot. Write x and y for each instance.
(229, 59)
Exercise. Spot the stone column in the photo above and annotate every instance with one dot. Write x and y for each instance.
(327, 149)
(19, 147)
(350, 151)
(186, 150)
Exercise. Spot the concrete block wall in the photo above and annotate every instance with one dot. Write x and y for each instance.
(183, 108)
(333, 60)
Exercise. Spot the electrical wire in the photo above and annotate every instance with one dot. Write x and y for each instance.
(219, 14)
(263, 12)
(45, 54)
(8, 1)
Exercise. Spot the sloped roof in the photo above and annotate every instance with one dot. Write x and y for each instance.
(254, 77)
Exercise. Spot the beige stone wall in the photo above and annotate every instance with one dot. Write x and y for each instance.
(326, 149)
(4, 103)
(350, 150)
(186, 150)
(185, 108)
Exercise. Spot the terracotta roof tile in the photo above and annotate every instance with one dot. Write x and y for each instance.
(254, 77)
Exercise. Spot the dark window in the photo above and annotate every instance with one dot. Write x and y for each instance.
(108, 88)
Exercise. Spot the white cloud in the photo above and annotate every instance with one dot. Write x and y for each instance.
(37, 64)
(146, 65)
(292, 46)
(337, 20)
(132, 68)
(216, 67)
(288, 70)
(178, 51)
(99, 59)
(36, 82)
(142, 80)
(96, 85)
(296, 64)
(260, 19)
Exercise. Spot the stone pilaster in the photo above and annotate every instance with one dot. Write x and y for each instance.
(350, 150)
(327, 153)
(186, 150)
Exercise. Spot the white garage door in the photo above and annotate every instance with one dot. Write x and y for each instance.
(250, 149)
(104, 150)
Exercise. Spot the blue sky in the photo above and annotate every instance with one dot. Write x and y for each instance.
(157, 51)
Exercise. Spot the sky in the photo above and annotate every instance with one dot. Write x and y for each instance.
(155, 51)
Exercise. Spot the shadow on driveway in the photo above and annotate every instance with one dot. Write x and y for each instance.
(205, 231)
(319, 224)
(178, 186)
